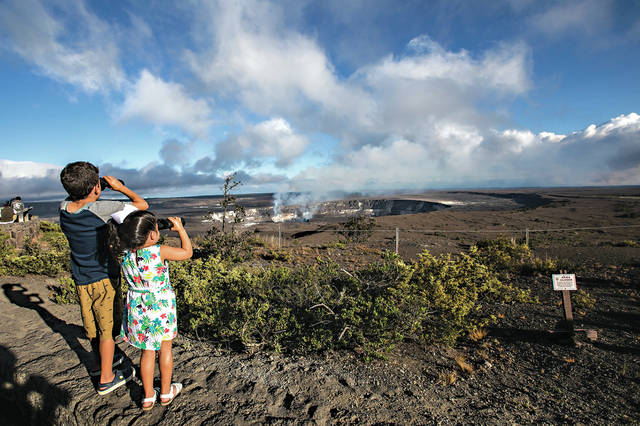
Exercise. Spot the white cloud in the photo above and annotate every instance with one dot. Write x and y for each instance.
(458, 155)
(503, 69)
(254, 58)
(606, 154)
(551, 137)
(517, 140)
(575, 16)
(275, 138)
(394, 166)
(29, 179)
(427, 116)
(271, 70)
(165, 103)
(71, 45)
(271, 140)
(26, 169)
(623, 123)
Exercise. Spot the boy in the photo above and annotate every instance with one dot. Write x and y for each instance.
(83, 219)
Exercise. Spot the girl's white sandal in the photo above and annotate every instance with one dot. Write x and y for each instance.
(151, 399)
(171, 395)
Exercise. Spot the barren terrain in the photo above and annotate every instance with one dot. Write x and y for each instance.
(523, 371)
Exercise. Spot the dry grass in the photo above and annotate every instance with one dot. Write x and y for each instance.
(464, 365)
(478, 334)
(447, 378)
(269, 241)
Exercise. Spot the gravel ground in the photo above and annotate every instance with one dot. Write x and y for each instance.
(523, 371)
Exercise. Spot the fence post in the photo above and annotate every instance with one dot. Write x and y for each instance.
(279, 236)
(397, 240)
(526, 237)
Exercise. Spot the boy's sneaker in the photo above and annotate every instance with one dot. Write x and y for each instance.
(117, 360)
(121, 377)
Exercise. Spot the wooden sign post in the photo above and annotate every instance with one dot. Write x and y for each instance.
(566, 283)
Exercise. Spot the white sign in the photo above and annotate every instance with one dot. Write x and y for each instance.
(564, 282)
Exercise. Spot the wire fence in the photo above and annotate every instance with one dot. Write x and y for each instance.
(284, 238)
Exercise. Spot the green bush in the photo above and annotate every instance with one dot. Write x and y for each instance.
(230, 305)
(377, 306)
(583, 299)
(451, 292)
(46, 255)
(334, 244)
(627, 243)
(281, 255)
(323, 306)
(65, 292)
(435, 299)
(236, 247)
(7, 254)
(505, 257)
(358, 229)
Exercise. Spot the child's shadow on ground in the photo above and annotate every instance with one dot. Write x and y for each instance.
(30, 399)
(71, 333)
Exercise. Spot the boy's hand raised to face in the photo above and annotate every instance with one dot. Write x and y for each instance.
(136, 200)
(114, 183)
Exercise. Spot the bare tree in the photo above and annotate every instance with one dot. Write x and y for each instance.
(229, 200)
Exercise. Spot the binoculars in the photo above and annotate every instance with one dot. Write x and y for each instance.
(104, 184)
(166, 223)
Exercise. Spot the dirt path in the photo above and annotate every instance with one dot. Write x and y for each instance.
(44, 361)
(521, 373)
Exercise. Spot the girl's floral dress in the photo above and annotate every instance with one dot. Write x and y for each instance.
(150, 316)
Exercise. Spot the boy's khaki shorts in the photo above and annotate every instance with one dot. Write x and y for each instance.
(99, 304)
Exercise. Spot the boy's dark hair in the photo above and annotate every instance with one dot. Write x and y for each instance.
(78, 179)
(132, 233)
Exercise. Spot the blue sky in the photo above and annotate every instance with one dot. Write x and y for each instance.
(295, 95)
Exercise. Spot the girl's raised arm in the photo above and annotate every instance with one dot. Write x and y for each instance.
(175, 253)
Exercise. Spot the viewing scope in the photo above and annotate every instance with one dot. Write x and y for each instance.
(104, 184)
(166, 223)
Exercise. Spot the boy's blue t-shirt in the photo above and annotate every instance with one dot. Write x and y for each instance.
(87, 232)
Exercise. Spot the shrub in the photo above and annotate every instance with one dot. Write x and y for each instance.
(324, 306)
(236, 247)
(377, 309)
(65, 292)
(358, 229)
(501, 254)
(451, 291)
(46, 255)
(505, 257)
(49, 227)
(333, 244)
(582, 299)
(280, 255)
(231, 305)
(627, 243)
(317, 307)
(309, 309)
(7, 254)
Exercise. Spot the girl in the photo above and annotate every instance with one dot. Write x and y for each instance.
(149, 322)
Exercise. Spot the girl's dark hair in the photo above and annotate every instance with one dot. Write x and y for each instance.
(132, 233)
